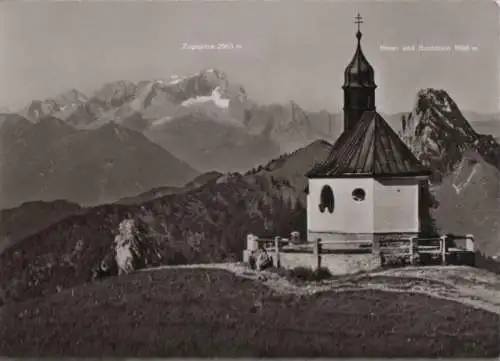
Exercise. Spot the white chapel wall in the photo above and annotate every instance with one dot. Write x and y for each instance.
(349, 216)
(396, 205)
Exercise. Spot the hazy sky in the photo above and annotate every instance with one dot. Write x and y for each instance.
(289, 49)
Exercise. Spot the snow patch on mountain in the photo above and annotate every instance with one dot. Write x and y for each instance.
(215, 97)
(464, 174)
(176, 81)
(161, 121)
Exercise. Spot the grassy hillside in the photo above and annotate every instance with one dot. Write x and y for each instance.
(203, 313)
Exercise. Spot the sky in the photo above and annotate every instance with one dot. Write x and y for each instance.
(282, 50)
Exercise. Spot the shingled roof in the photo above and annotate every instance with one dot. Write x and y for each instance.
(370, 149)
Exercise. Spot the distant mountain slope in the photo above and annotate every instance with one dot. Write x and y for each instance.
(289, 168)
(469, 202)
(477, 117)
(488, 127)
(154, 193)
(203, 179)
(164, 191)
(291, 127)
(209, 145)
(50, 160)
(30, 218)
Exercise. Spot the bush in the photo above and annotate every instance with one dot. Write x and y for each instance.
(308, 274)
(486, 263)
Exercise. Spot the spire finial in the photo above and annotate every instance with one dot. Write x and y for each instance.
(358, 20)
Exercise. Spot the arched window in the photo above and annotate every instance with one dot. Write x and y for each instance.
(358, 194)
(327, 200)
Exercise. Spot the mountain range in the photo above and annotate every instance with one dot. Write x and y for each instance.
(202, 118)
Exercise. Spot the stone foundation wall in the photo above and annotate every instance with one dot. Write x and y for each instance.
(337, 264)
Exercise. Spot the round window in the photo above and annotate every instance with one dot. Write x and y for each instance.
(358, 194)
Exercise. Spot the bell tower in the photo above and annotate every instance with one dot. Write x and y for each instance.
(359, 85)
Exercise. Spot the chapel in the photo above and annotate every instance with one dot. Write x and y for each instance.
(368, 188)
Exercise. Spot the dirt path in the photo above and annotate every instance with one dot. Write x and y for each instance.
(470, 286)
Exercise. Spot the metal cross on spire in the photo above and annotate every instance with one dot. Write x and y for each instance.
(358, 20)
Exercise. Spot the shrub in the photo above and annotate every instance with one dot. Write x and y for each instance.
(308, 274)
(486, 263)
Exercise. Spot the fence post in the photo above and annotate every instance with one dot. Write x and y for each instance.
(317, 252)
(277, 251)
(443, 249)
(251, 242)
(469, 243)
(412, 256)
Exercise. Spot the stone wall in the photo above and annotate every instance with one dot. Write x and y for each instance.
(337, 264)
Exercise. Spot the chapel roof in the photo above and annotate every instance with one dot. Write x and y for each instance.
(371, 149)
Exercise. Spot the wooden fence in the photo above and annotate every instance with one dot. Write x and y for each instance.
(410, 248)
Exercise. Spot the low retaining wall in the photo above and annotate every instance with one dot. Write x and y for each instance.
(337, 264)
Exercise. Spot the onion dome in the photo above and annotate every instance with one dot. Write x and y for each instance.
(359, 72)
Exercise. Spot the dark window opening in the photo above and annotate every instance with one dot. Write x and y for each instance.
(327, 200)
(358, 194)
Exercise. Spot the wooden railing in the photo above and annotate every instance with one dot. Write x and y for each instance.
(412, 247)
(402, 248)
